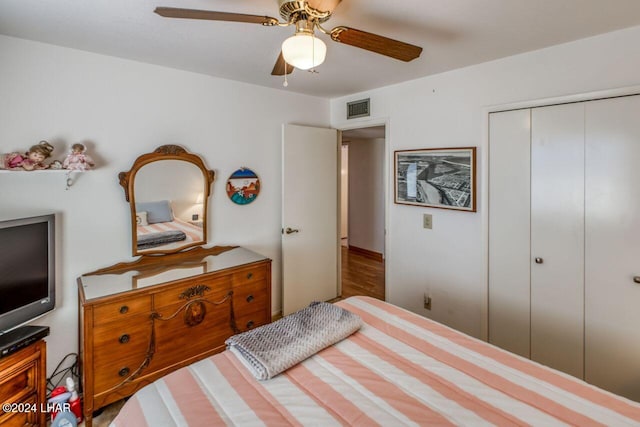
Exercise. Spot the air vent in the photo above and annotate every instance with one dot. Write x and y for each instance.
(357, 109)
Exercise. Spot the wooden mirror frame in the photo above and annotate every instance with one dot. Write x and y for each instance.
(127, 181)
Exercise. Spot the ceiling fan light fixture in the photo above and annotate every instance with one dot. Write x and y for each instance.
(304, 51)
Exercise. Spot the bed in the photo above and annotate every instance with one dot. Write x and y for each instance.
(179, 233)
(398, 369)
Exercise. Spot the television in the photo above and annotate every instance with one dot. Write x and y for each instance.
(27, 269)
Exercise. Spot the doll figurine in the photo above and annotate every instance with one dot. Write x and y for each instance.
(77, 159)
(31, 160)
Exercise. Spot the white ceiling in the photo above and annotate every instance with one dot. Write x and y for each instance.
(453, 33)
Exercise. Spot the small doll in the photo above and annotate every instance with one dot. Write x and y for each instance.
(77, 159)
(31, 160)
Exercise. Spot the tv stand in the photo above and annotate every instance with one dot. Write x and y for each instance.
(23, 386)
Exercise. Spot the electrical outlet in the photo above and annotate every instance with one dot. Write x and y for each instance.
(427, 221)
(427, 302)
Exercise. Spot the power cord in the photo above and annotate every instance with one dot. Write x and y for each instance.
(68, 367)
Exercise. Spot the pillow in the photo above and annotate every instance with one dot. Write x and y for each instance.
(141, 218)
(156, 211)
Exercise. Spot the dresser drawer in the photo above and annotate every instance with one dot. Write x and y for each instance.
(114, 368)
(22, 418)
(250, 298)
(19, 381)
(123, 309)
(252, 320)
(248, 275)
(213, 289)
(117, 338)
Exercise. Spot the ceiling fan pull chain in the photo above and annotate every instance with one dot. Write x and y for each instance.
(286, 83)
(313, 49)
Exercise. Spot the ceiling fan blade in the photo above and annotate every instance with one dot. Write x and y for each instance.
(375, 43)
(281, 67)
(172, 12)
(323, 5)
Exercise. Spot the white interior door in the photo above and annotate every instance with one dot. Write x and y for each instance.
(310, 238)
(557, 237)
(509, 230)
(612, 314)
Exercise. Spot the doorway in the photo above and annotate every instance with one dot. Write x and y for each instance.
(362, 214)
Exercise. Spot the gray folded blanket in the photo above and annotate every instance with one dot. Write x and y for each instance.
(151, 240)
(273, 348)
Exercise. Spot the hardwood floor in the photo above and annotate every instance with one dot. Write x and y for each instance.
(361, 275)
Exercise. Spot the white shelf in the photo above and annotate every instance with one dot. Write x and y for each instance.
(66, 172)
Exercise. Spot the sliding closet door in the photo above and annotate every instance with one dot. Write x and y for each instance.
(612, 305)
(509, 208)
(557, 237)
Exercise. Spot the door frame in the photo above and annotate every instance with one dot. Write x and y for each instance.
(484, 168)
(361, 124)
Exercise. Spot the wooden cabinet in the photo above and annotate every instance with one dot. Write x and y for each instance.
(142, 320)
(23, 383)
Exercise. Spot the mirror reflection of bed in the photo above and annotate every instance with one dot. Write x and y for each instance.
(168, 205)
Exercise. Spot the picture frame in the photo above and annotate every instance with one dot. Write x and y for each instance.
(243, 186)
(436, 177)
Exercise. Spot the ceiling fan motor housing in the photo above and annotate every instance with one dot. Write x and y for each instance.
(291, 10)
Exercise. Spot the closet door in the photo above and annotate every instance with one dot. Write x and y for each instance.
(612, 304)
(509, 208)
(557, 237)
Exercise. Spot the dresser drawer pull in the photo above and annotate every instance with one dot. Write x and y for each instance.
(249, 276)
(123, 372)
(250, 324)
(124, 339)
(124, 309)
(250, 298)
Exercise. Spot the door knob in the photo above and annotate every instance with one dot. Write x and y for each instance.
(290, 230)
(539, 260)
(636, 279)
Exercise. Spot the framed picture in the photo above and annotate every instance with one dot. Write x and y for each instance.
(436, 177)
(243, 186)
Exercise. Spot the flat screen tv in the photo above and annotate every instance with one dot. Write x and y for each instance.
(27, 269)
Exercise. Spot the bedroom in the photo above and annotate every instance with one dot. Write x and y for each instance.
(125, 108)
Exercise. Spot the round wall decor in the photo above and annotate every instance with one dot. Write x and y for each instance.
(243, 186)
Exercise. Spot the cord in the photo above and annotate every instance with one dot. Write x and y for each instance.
(60, 374)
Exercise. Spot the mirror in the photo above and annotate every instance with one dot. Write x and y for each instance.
(168, 192)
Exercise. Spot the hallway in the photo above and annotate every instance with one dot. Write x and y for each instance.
(361, 275)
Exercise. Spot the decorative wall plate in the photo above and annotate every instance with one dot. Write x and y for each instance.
(243, 186)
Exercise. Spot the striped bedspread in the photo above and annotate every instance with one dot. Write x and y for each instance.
(399, 369)
(192, 232)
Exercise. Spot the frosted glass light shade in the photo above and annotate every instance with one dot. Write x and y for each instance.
(304, 51)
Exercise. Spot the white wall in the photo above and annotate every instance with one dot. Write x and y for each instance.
(449, 110)
(121, 109)
(366, 194)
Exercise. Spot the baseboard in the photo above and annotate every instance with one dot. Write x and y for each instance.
(367, 253)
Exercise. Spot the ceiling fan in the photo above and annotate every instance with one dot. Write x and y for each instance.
(304, 50)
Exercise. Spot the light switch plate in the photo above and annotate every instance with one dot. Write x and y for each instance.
(427, 221)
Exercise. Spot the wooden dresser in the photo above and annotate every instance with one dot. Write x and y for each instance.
(142, 320)
(23, 386)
